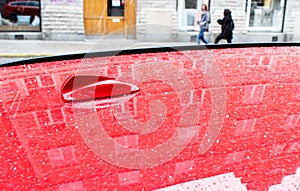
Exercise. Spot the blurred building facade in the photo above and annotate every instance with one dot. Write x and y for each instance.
(160, 20)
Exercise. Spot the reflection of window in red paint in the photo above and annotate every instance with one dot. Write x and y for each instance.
(293, 148)
(244, 127)
(235, 157)
(277, 149)
(254, 94)
(78, 186)
(31, 82)
(183, 167)
(115, 8)
(42, 118)
(298, 94)
(292, 121)
(124, 142)
(62, 156)
(132, 177)
(46, 80)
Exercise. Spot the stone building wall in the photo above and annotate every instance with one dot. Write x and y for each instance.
(156, 20)
(62, 19)
(292, 17)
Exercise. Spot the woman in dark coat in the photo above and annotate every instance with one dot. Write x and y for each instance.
(227, 26)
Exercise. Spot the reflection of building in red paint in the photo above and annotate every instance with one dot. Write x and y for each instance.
(42, 147)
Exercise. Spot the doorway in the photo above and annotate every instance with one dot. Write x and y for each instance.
(102, 17)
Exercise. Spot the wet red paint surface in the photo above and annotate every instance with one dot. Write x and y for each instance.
(46, 146)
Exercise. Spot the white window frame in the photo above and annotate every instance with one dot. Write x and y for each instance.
(183, 12)
(264, 29)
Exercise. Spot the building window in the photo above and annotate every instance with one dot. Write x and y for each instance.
(190, 4)
(20, 15)
(265, 15)
(186, 10)
(115, 8)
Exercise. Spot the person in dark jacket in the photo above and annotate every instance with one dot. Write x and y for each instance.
(227, 26)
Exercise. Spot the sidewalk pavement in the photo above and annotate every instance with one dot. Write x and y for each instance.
(37, 48)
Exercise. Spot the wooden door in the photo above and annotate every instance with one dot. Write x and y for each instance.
(103, 17)
(115, 25)
(130, 18)
(115, 16)
(95, 14)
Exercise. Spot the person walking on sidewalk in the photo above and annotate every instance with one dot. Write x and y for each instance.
(202, 20)
(227, 26)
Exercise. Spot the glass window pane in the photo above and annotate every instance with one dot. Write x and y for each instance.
(191, 4)
(115, 8)
(266, 14)
(20, 16)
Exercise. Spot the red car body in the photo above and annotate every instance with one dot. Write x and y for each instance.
(21, 7)
(235, 107)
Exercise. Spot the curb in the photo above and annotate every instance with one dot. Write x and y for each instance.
(24, 55)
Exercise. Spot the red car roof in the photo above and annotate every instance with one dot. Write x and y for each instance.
(198, 114)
